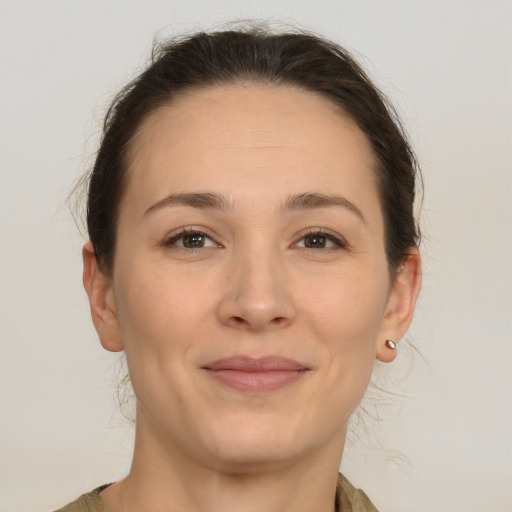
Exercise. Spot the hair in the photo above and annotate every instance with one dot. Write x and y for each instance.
(259, 55)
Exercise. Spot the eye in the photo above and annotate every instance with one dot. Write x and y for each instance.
(188, 239)
(320, 240)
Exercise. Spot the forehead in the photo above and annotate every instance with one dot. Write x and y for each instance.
(240, 137)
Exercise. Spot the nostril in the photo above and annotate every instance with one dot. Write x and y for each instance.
(278, 320)
(239, 320)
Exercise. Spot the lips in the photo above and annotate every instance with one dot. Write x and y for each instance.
(256, 375)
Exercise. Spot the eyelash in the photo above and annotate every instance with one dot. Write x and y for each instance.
(338, 241)
(168, 242)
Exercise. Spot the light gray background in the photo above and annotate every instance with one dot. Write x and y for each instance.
(448, 67)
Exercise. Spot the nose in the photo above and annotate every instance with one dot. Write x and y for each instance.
(257, 295)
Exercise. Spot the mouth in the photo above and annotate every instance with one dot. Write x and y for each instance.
(256, 375)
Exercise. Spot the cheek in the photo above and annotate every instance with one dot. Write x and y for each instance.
(161, 317)
(166, 313)
(348, 308)
(152, 308)
(346, 317)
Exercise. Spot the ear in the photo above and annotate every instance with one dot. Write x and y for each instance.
(400, 306)
(102, 301)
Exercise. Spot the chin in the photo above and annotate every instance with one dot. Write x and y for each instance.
(245, 459)
(254, 445)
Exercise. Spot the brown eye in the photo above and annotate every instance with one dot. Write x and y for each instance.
(320, 240)
(191, 240)
(316, 241)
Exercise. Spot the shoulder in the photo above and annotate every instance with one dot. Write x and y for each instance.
(89, 502)
(350, 499)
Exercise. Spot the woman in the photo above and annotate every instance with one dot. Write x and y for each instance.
(253, 250)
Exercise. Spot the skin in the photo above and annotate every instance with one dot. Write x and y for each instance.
(256, 288)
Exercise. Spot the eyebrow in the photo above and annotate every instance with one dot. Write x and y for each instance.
(211, 201)
(315, 200)
(199, 200)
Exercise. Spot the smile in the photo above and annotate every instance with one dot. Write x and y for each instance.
(259, 375)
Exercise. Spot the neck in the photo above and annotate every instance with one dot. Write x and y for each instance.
(164, 478)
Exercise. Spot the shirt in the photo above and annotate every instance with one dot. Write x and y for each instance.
(348, 499)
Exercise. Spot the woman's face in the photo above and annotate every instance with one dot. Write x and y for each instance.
(250, 286)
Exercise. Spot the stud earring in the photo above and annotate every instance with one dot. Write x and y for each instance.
(390, 344)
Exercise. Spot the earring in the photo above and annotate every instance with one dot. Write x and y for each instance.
(391, 344)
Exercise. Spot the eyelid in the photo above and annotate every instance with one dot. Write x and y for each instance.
(170, 240)
(335, 238)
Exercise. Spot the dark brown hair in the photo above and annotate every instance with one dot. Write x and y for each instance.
(300, 60)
